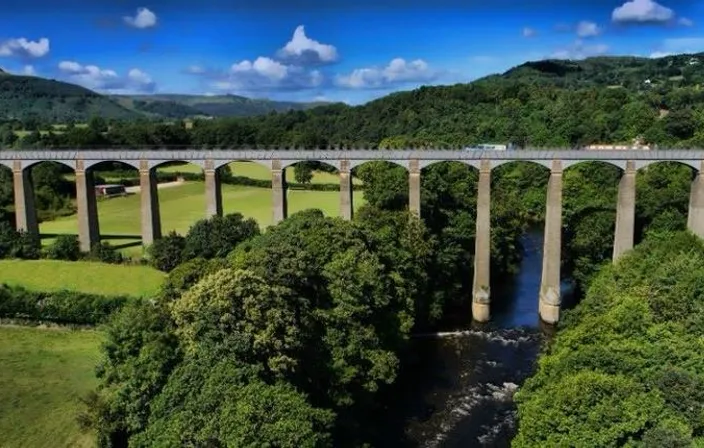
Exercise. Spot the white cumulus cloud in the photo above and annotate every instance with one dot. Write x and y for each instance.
(23, 47)
(684, 21)
(303, 50)
(29, 70)
(587, 29)
(143, 19)
(265, 74)
(642, 11)
(678, 46)
(397, 72)
(106, 80)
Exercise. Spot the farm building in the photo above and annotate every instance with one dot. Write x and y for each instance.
(110, 190)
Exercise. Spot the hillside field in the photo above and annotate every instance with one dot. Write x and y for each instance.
(44, 374)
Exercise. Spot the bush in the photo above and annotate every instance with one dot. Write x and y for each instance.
(105, 253)
(14, 244)
(166, 253)
(64, 247)
(64, 307)
(217, 236)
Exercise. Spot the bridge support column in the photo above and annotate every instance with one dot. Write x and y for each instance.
(278, 188)
(345, 190)
(414, 187)
(213, 190)
(87, 208)
(695, 217)
(549, 306)
(481, 298)
(25, 210)
(151, 217)
(625, 212)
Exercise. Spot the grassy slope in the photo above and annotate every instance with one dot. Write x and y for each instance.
(43, 374)
(97, 278)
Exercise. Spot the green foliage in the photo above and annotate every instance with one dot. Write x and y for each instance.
(65, 307)
(166, 252)
(105, 253)
(187, 274)
(217, 236)
(627, 363)
(64, 247)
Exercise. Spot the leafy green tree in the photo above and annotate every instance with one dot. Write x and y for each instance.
(302, 173)
(167, 252)
(64, 247)
(217, 236)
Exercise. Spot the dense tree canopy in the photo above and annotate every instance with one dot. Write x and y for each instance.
(627, 366)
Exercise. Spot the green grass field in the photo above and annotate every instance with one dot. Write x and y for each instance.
(89, 277)
(256, 171)
(44, 373)
(183, 205)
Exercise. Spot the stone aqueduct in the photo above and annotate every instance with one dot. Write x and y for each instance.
(629, 161)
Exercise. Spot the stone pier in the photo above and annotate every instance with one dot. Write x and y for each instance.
(345, 190)
(414, 187)
(549, 306)
(87, 208)
(213, 190)
(695, 217)
(151, 218)
(25, 209)
(625, 211)
(482, 246)
(278, 188)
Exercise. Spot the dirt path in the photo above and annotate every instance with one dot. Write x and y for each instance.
(136, 188)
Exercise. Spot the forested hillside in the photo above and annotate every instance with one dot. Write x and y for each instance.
(539, 104)
(30, 98)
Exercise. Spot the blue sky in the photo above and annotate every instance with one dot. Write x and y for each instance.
(324, 49)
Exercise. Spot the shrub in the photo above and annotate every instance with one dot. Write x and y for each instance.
(217, 236)
(64, 247)
(166, 253)
(64, 307)
(106, 253)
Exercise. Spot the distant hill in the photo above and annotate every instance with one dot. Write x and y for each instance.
(183, 106)
(613, 71)
(23, 97)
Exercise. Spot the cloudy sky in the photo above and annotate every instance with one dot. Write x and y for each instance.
(324, 49)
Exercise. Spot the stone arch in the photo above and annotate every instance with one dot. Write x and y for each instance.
(222, 162)
(29, 164)
(428, 163)
(354, 163)
(92, 163)
(620, 164)
(695, 165)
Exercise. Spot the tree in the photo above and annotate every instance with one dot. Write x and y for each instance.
(217, 236)
(167, 252)
(303, 173)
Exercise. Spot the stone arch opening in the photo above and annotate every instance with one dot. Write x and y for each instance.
(116, 187)
(386, 183)
(47, 203)
(181, 194)
(447, 186)
(663, 194)
(313, 184)
(589, 202)
(7, 196)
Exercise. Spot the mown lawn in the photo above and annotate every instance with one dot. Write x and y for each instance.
(183, 205)
(89, 277)
(43, 374)
(254, 170)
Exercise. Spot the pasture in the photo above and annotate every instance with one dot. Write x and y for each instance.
(183, 205)
(44, 374)
(82, 276)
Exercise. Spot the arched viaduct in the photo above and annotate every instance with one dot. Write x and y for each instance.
(344, 160)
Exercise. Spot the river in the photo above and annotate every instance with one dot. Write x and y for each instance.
(459, 391)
